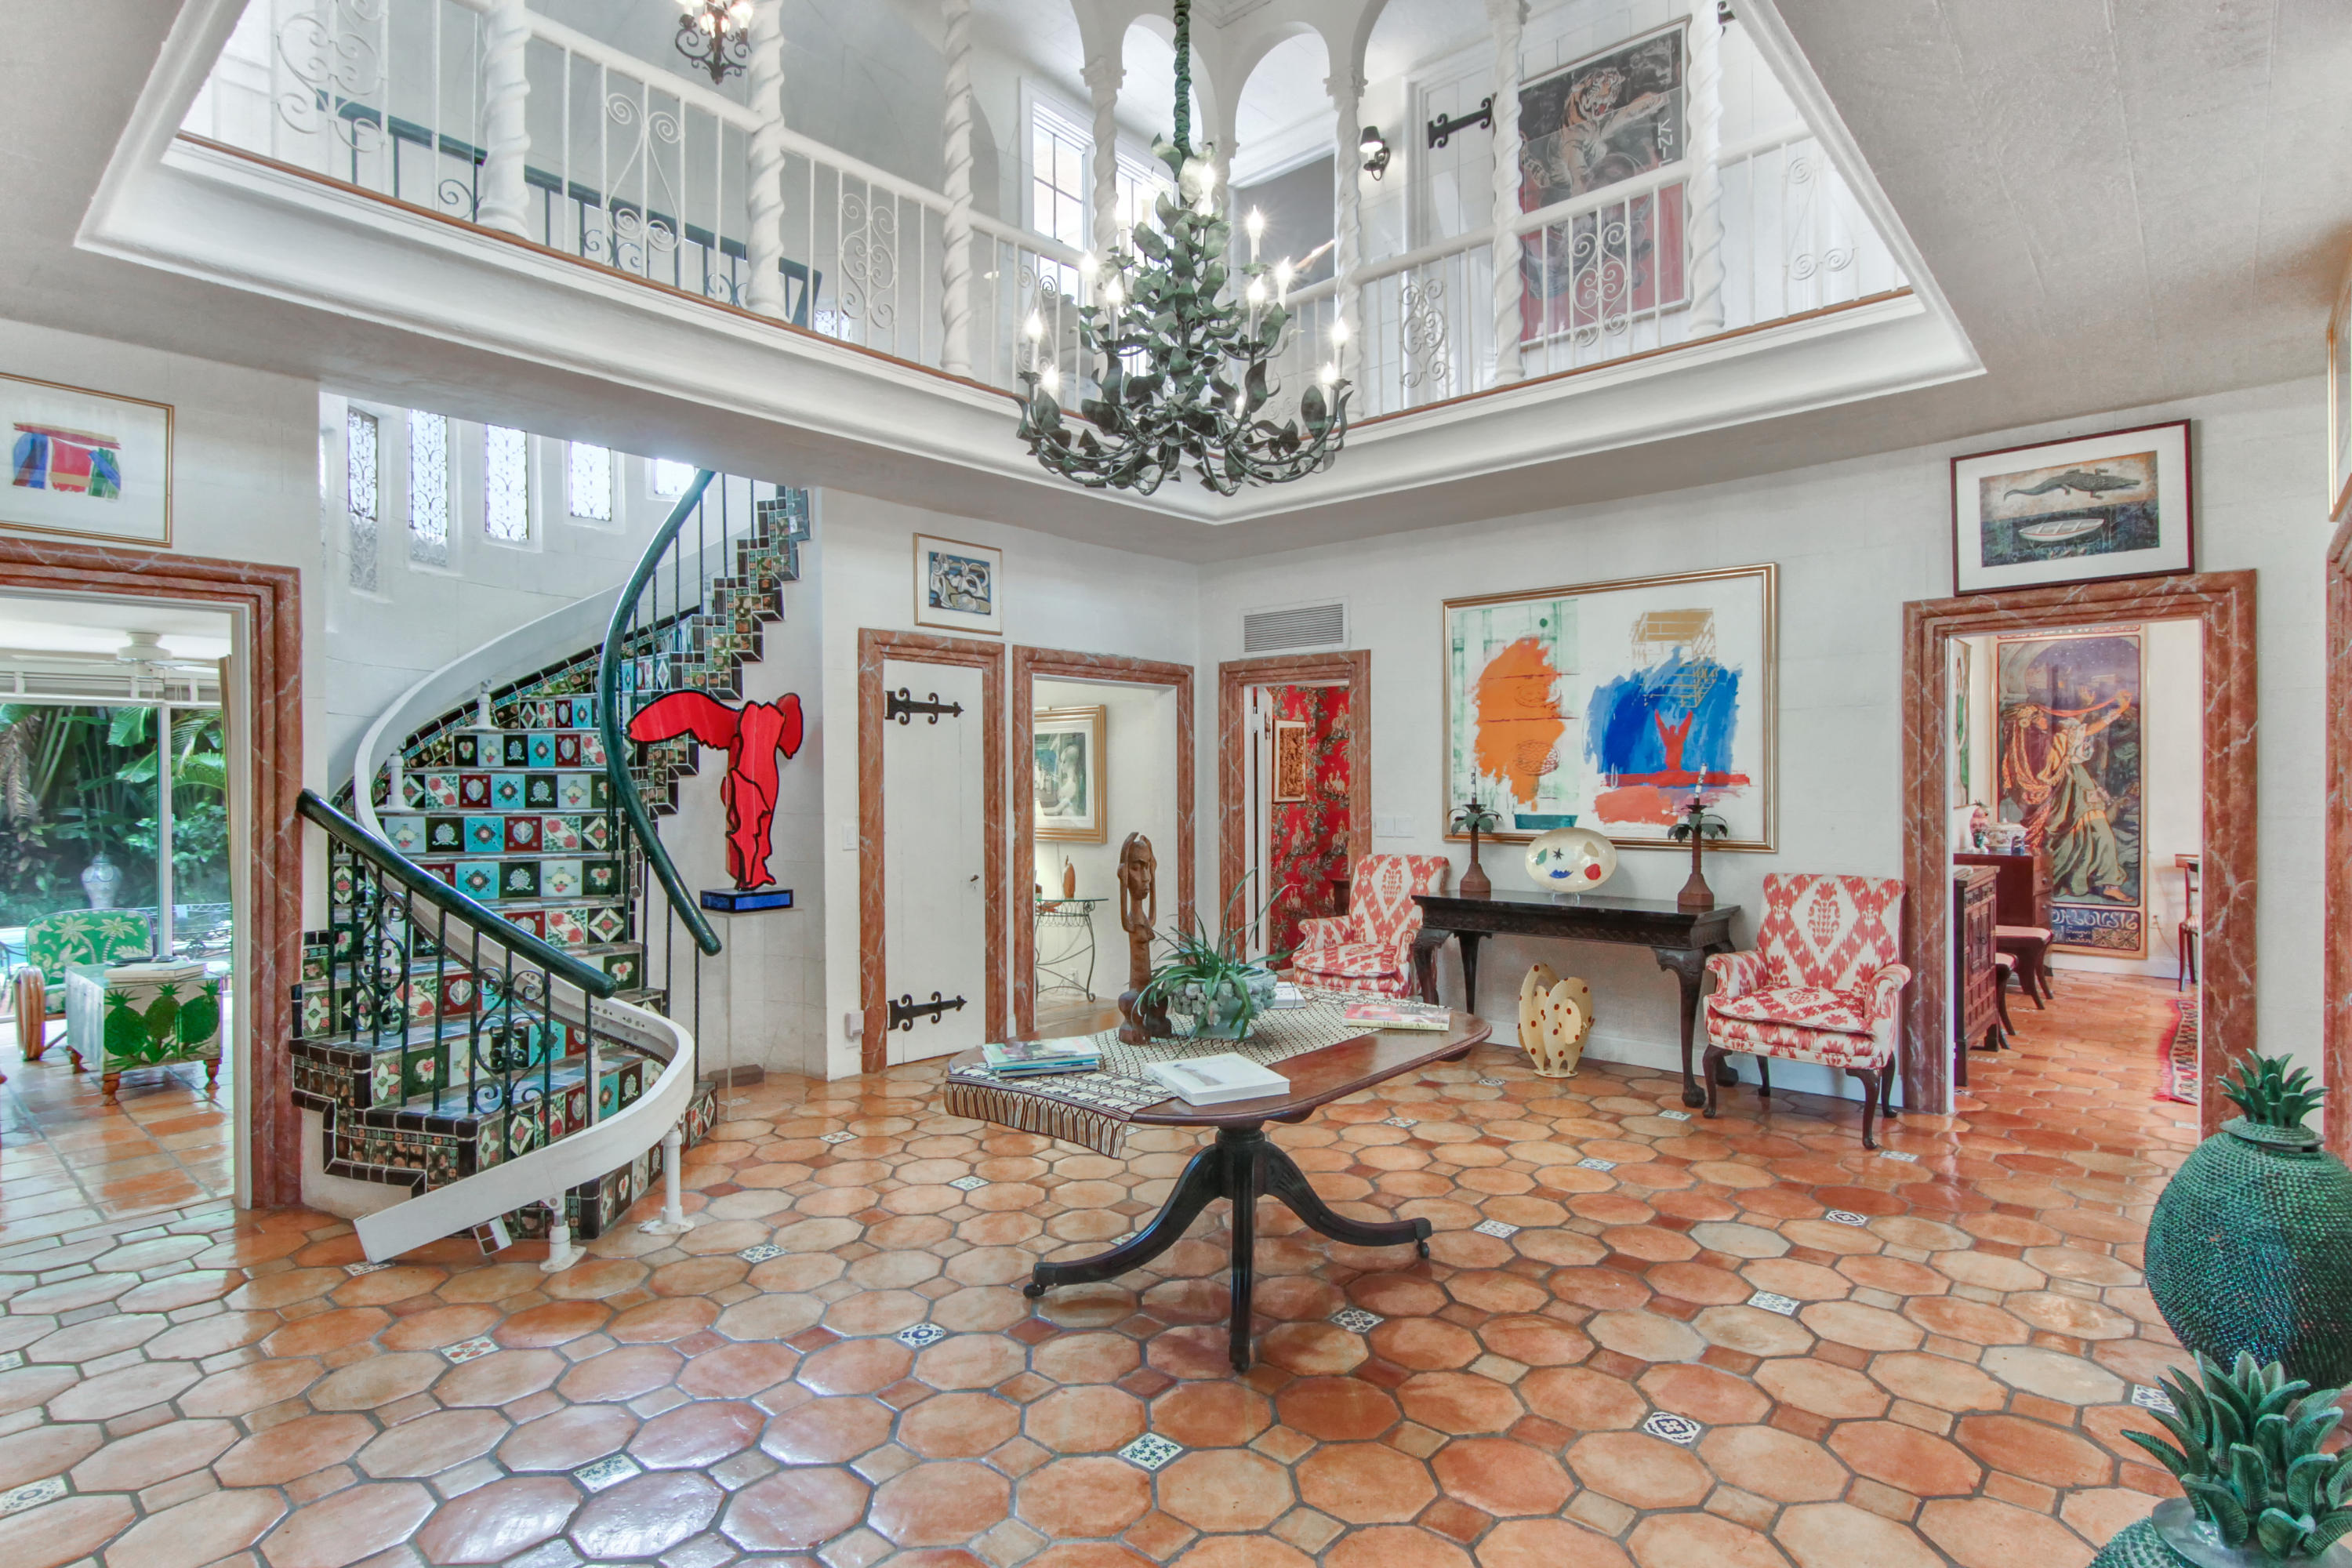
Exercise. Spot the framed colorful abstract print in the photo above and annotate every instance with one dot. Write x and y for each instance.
(85, 464)
(2118, 504)
(1066, 749)
(2071, 774)
(1609, 705)
(958, 587)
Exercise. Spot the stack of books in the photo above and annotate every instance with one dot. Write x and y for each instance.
(1219, 1080)
(1398, 1015)
(1034, 1058)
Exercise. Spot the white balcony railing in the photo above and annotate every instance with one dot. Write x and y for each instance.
(634, 166)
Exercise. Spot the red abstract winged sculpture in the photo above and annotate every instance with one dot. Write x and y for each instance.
(752, 736)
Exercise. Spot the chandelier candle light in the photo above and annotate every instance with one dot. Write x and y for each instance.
(1184, 374)
(716, 35)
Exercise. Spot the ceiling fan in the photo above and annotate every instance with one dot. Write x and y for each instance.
(146, 650)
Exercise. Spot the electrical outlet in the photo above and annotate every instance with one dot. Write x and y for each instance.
(853, 1024)
(1392, 827)
(849, 836)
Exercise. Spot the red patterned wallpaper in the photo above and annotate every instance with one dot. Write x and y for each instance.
(1310, 838)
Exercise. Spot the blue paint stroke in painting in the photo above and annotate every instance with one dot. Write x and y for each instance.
(1645, 728)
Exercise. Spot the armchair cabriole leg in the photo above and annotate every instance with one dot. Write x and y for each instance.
(561, 1252)
(674, 1220)
(1869, 1077)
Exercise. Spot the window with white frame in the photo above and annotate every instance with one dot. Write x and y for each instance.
(670, 479)
(1140, 185)
(1058, 148)
(588, 481)
(428, 488)
(506, 485)
(360, 495)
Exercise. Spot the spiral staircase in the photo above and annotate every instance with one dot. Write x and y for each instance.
(499, 1019)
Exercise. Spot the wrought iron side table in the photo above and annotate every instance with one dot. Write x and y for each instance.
(1070, 967)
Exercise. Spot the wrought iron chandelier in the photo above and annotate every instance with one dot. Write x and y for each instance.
(716, 35)
(1183, 375)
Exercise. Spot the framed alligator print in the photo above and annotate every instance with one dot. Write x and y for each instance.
(2118, 504)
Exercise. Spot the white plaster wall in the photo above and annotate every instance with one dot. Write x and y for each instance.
(1058, 593)
(1855, 541)
(1139, 796)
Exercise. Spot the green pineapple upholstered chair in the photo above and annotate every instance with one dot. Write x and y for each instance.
(145, 1014)
(55, 943)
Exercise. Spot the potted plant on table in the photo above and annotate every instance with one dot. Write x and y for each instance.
(1698, 825)
(1208, 988)
(1474, 817)
(2245, 1446)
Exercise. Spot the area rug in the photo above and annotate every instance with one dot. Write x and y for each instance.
(2180, 1055)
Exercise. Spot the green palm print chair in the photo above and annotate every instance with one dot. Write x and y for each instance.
(145, 1014)
(54, 944)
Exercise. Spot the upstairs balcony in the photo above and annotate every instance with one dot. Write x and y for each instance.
(1694, 245)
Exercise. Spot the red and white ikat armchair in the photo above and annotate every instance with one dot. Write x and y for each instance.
(1370, 947)
(1822, 986)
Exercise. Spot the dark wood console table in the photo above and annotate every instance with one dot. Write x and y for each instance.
(1680, 938)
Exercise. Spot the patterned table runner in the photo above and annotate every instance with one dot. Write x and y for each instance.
(1093, 1109)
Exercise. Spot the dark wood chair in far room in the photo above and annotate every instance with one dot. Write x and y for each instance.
(2028, 949)
(2192, 931)
(2023, 928)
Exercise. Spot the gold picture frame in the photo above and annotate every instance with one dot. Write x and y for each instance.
(1293, 762)
(1065, 754)
(85, 464)
(958, 586)
(1631, 639)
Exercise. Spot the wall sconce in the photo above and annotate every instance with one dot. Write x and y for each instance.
(1375, 149)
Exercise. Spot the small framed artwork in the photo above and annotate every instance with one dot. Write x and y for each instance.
(1067, 752)
(1294, 761)
(2339, 401)
(2118, 504)
(86, 464)
(958, 587)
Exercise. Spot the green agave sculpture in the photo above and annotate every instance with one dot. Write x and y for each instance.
(2246, 1445)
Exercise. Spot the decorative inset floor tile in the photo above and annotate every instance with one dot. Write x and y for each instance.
(1846, 1216)
(836, 1137)
(32, 1494)
(915, 1336)
(1357, 1321)
(1493, 1083)
(356, 1268)
(1907, 1158)
(2149, 1398)
(1673, 1116)
(1150, 1451)
(1494, 1227)
(1674, 1429)
(760, 1252)
(474, 1349)
(609, 1471)
(967, 1184)
(1396, 1122)
(1594, 1163)
(1773, 1303)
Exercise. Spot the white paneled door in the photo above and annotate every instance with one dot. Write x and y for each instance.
(934, 834)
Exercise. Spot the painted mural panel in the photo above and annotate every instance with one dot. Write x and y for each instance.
(1307, 837)
(2071, 772)
(1613, 703)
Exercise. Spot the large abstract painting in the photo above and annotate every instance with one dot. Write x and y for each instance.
(1611, 704)
(1608, 118)
(2070, 773)
(2117, 505)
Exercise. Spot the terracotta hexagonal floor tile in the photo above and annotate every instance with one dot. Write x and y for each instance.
(1773, 1464)
(1582, 1399)
(2034, 1449)
(794, 1509)
(567, 1438)
(1459, 1402)
(939, 1504)
(1701, 1540)
(963, 1426)
(698, 1435)
(1228, 1414)
(1983, 1532)
(1216, 1552)
(1218, 1489)
(1092, 1418)
(827, 1431)
(1365, 1483)
(1937, 1382)
(1069, 1498)
(137, 1462)
(1336, 1409)
(1709, 1397)
(349, 1525)
(202, 1530)
(1840, 1535)
(496, 1521)
(65, 1530)
(1548, 1543)
(1638, 1469)
(1917, 1462)
(646, 1515)
(1822, 1387)
(1396, 1546)
(1496, 1476)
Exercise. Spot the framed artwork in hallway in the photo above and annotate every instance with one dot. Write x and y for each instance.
(958, 587)
(2072, 773)
(2113, 505)
(86, 464)
(1066, 744)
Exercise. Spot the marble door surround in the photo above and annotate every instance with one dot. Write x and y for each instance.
(921, 647)
(270, 600)
(1235, 676)
(1030, 664)
(2222, 603)
(2336, 962)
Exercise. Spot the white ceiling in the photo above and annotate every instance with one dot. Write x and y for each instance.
(103, 625)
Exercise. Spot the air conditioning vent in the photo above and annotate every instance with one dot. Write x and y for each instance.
(1296, 627)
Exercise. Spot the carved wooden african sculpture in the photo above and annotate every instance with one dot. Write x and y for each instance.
(1139, 913)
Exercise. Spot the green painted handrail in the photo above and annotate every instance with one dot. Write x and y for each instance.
(390, 864)
(609, 723)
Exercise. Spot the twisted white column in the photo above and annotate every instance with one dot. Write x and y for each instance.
(1104, 77)
(1504, 15)
(763, 80)
(956, 269)
(1346, 90)
(1703, 192)
(505, 200)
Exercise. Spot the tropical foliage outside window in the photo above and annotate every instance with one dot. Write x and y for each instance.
(77, 781)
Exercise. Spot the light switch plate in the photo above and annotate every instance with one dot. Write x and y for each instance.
(853, 1024)
(849, 836)
(1399, 827)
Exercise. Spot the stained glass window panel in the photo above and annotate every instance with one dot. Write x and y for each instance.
(506, 485)
(360, 495)
(589, 481)
(428, 488)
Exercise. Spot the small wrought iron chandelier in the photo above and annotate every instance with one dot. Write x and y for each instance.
(1183, 376)
(716, 35)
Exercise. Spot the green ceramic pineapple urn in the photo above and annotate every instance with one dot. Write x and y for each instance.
(2250, 1248)
(2248, 1448)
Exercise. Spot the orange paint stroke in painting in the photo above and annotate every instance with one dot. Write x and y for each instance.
(1519, 718)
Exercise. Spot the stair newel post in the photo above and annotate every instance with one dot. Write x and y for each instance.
(673, 1220)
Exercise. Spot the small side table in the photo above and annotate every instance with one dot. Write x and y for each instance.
(1068, 969)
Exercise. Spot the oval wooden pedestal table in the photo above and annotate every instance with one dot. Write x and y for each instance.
(1242, 1165)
